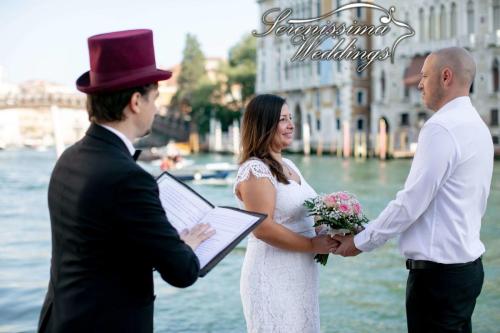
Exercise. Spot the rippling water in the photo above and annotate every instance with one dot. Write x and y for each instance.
(361, 294)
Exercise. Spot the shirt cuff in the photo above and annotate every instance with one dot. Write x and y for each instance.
(362, 241)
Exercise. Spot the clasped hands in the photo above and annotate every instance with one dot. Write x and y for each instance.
(346, 246)
(337, 244)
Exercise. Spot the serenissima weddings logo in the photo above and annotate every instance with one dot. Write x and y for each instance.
(308, 35)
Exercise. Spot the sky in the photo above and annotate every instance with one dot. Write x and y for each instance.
(47, 39)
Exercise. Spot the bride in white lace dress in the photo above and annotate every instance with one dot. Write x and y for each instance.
(279, 278)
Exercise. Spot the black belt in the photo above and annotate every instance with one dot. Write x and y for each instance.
(424, 264)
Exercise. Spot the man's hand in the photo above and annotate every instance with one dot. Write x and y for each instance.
(347, 247)
(197, 235)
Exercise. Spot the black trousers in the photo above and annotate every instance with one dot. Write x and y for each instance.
(442, 299)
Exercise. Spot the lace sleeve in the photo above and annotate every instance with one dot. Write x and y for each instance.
(256, 168)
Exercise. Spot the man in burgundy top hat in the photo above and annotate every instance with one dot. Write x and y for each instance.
(109, 230)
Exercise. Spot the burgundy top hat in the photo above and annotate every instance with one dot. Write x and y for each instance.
(120, 60)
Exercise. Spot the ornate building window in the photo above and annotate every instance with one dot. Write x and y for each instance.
(382, 84)
(360, 124)
(278, 69)
(442, 23)
(359, 11)
(496, 15)
(359, 63)
(453, 20)
(432, 24)
(470, 17)
(360, 97)
(495, 71)
(421, 24)
(405, 119)
(494, 117)
(421, 118)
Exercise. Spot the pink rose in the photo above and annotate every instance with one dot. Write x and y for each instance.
(330, 201)
(343, 196)
(344, 208)
(357, 208)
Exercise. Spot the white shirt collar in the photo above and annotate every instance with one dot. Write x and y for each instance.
(454, 103)
(122, 136)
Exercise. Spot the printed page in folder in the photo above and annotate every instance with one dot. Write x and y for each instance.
(229, 225)
(185, 208)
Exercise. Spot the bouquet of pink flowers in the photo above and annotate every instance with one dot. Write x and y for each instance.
(338, 213)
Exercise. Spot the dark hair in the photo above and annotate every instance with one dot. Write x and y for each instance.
(109, 106)
(260, 122)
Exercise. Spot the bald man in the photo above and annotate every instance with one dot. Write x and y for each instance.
(438, 213)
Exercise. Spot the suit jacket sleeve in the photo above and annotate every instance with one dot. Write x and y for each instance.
(139, 211)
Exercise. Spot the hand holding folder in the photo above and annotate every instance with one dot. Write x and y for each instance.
(185, 208)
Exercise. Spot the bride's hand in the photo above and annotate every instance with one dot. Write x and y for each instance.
(197, 235)
(320, 230)
(324, 244)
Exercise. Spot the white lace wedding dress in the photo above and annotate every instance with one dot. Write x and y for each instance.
(279, 288)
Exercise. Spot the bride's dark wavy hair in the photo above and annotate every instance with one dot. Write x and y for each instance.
(258, 129)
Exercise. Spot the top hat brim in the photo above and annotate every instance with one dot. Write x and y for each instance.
(84, 85)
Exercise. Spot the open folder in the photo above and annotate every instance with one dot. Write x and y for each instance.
(185, 208)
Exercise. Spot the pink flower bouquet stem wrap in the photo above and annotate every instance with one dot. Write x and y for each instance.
(339, 212)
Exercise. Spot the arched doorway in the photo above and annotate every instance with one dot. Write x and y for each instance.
(297, 116)
(383, 138)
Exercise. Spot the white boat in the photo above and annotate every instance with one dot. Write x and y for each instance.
(222, 166)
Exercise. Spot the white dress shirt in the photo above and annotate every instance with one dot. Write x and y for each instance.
(122, 136)
(438, 213)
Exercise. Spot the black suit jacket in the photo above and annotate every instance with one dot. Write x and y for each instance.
(109, 231)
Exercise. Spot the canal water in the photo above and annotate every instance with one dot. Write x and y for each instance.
(361, 294)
